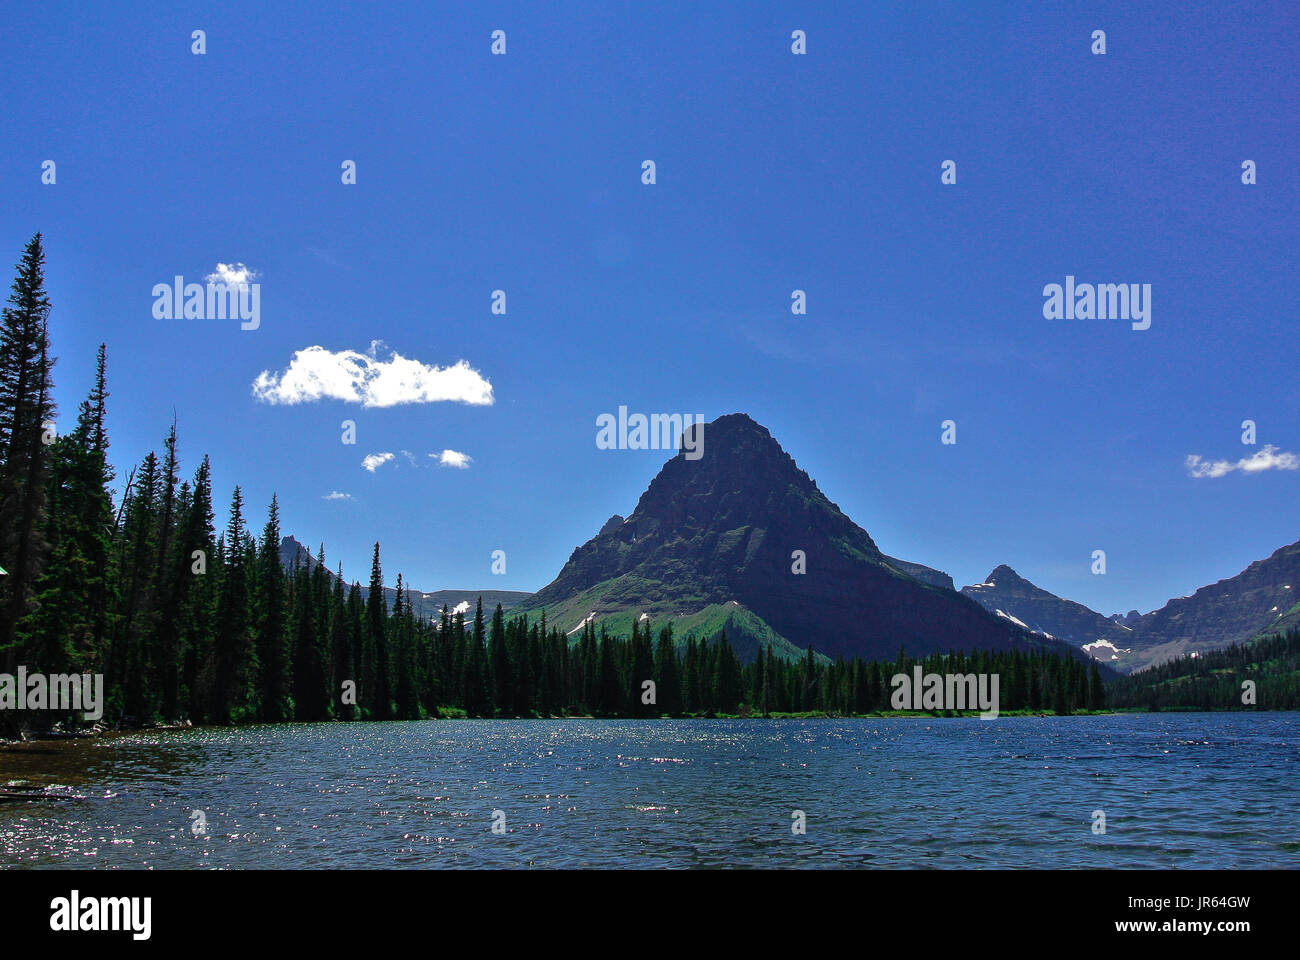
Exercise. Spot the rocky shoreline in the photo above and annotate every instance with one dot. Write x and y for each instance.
(87, 733)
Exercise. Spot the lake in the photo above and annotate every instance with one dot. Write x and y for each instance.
(1189, 790)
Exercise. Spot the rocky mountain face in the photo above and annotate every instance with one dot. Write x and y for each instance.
(1263, 598)
(743, 538)
(425, 605)
(1007, 594)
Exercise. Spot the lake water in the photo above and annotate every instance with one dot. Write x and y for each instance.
(1177, 790)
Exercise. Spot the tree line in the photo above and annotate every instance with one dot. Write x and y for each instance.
(1216, 680)
(186, 621)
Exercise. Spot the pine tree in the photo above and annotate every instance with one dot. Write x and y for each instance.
(500, 658)
(642, 668)
(26, 408)
(272, 638)
(356, 621)
(309, 697)
(667, 681)
(521, 667)
(611, 690)
(691, 677)
(70, 622)
(200, 571)
(137, 565)
(379, 695)
(1059, 705)
(234, 661)
(162, 641)
(403, 631)
(340, 646)
(1096, 693)
(726, 676)
(473, 671)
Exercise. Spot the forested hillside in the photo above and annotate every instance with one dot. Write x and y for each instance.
(1215, 680)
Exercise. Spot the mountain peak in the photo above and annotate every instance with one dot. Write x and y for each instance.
(736, 424)
(1004, 575)
(293, 552)
(732, 436)
(1007, 594)
(739, 471)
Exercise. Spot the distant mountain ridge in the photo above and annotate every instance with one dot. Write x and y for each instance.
(1262, 599)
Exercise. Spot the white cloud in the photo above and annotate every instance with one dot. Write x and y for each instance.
(453, 458)
(231, 274)
(319, 374)
(336, 495)
(374, 461)
(448, 458)
(1270, 458)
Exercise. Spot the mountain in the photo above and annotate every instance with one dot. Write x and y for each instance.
(424, 604)
(936, 578)
(713, 543)
(1262, 599)
(1007, 594)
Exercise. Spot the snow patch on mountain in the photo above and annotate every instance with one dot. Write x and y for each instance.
(1103, 646)
(1018, 623)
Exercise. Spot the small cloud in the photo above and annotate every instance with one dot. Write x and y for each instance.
(232, 274)
(453, 458)
(376, 460)
(319, 374)
(336, 495)
(1270, 458)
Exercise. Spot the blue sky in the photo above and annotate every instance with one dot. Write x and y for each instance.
(775, 172)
